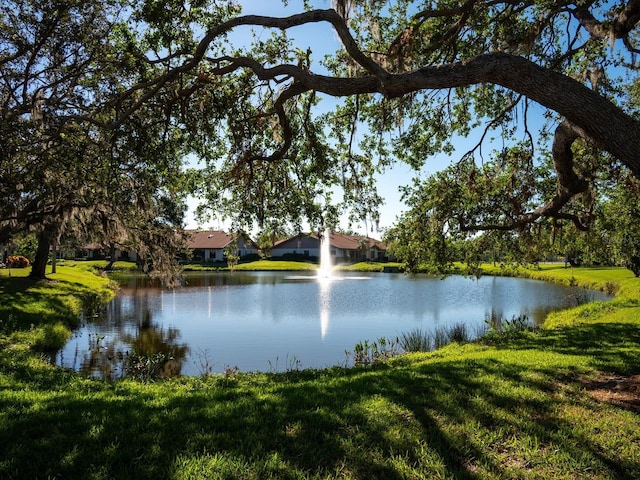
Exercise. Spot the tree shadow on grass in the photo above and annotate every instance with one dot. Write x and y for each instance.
(28, 302)
(466, 419)
(612, 347)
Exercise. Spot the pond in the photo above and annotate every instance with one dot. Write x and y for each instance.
(275, 321)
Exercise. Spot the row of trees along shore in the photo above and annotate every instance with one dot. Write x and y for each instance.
(102, 103)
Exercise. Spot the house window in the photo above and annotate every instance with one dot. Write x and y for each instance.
(306, 253)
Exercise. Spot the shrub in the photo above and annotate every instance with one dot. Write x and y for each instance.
(18, 261)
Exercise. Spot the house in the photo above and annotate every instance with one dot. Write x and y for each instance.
(208, 246)
(304, 246)
(356, 248)
(344, 248)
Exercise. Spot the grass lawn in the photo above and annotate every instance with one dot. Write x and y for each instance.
(292, 266)
(559, 402)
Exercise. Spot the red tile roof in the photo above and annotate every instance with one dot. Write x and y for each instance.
(342, 241)
(352, 242)
(208, 239)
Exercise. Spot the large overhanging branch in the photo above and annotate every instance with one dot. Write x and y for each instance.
(522, 222)
(620, 25)
(152, 87)
(594, 117)
(569, 185)
(35, 213)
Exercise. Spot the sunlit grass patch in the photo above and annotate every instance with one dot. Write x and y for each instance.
(607, 279)
(276, 265)
(15, 272)
(372, 267)
(40, 313)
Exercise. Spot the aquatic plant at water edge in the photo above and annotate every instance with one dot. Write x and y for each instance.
(205, 366)
(293, 364)
(495, 329)
(417, 340)
(458, 333)
(499, 329)
(440, 338)
(142, 366)
(367, 353)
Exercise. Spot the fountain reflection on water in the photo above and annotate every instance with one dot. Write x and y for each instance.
(325, 276)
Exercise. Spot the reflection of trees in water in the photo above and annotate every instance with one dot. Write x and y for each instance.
(151, 340)
(225, 279)
(128, 336)
(108, 356)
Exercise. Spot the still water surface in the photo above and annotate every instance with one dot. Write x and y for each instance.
(266, 321)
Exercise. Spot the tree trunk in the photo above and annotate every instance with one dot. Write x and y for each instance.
(54, 256)
(112, 256)
(39, 265)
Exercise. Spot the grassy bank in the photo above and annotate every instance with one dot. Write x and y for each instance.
(258, 265)
(291, 266)
(41, 314)
(554, 403)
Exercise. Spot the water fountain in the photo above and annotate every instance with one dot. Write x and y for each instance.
(325, 255)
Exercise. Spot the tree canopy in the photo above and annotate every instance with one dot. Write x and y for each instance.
(554, 84)
(69, 161)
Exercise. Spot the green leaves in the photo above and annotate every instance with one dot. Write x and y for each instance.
(449, 211)
(137, 87)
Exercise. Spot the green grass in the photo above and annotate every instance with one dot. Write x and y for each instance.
(371, 266)
(607, 279)
(60, 298)
(275, 265)
(467, 411)
(292, 266)
(258, 265)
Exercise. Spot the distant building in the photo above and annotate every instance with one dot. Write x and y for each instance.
(344, 248)
(208, 246)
